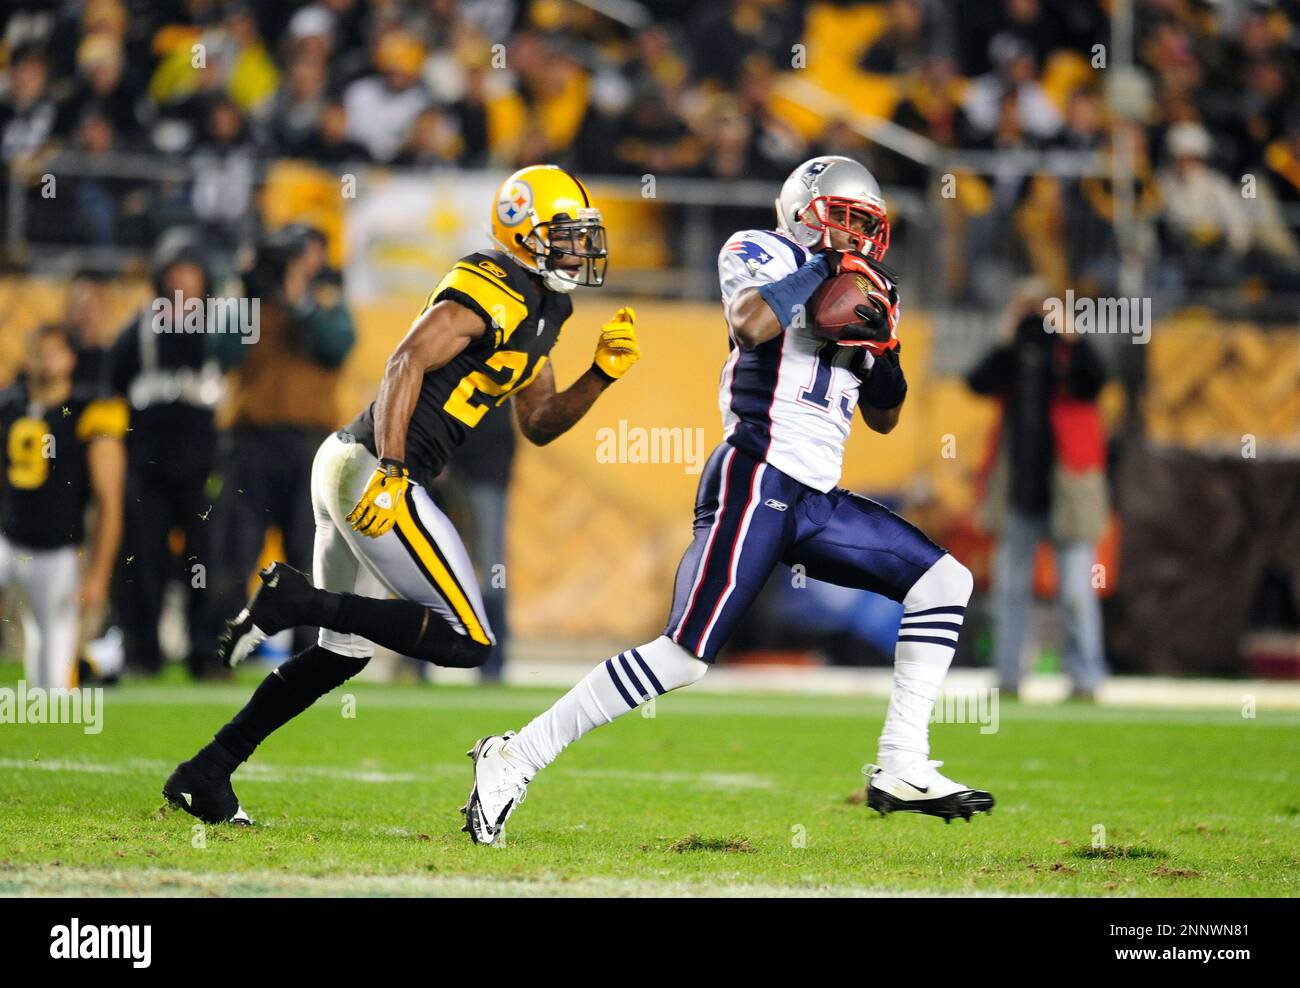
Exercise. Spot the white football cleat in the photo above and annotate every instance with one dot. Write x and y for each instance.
(499, 786)
(920, 788)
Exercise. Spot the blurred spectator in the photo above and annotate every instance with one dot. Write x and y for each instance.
(433, 140)
(101, 88)
(44, 502)
(329, 144)
(739, 29)
(282, 405)
(215, 58)
(28, 113)
(86, 321)
(930, 106)
(173, 385)
(552, 93)
(1046, 480)
(224, 174)
(1206, 228)
(652, 141)
(1282, 159)
(903, 46)
(298, 106)
(1015, 77)
(381, 108)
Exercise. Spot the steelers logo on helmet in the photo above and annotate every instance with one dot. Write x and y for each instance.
(545, 220)
(515, 203)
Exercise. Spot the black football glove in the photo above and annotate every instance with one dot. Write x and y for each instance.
(883, 386)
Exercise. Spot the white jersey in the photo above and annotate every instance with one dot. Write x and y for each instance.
(789, 401)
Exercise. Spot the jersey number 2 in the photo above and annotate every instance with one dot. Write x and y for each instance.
(472, 398)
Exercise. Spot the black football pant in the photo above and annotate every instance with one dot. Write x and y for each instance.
(166, 490)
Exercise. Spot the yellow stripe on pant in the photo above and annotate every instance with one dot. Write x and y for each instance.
(441, 575)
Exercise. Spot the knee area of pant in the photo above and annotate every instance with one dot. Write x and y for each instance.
(946, 583)
(674, 664)
(462, 652)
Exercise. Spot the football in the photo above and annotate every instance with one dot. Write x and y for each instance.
(834, 307)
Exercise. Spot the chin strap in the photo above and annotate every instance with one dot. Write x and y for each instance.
(557, 282)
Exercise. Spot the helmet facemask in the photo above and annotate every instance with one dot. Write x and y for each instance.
(558, 243)
(864, 221)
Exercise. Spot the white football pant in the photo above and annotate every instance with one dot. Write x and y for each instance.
(421, 558)
(46, 579)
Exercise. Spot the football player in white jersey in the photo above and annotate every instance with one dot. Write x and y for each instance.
(769, 495)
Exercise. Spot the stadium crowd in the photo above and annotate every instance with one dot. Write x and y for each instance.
(681, 89)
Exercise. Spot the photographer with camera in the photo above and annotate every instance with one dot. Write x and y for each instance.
(283, 378)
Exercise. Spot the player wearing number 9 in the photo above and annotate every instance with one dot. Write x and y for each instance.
(483, 336)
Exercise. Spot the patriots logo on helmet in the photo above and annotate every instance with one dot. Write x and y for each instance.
(814, 171)
(515, 203)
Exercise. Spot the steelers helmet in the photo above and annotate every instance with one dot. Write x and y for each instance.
(832, 192)
(543, 217)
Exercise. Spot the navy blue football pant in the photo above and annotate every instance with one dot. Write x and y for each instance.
(749, 516)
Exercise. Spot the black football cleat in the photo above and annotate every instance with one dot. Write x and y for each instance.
(920, 788)
(208, 796)
(280, 602)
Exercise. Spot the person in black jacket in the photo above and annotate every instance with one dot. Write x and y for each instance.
(1047, 482)
(172, 385)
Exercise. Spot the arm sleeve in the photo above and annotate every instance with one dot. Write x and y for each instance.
(104, 418)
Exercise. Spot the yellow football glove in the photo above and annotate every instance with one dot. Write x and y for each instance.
(376, 512)
(617, 348)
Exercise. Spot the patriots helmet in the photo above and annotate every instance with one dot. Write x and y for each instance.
(832, 192)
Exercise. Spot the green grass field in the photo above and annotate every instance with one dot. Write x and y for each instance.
(720, 795)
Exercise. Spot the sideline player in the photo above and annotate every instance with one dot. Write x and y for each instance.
(60, 449)
(484, 335)
(769, 495)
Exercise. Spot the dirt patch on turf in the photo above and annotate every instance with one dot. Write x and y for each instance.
(1164, 871)
(694, 842)
(1117, 852)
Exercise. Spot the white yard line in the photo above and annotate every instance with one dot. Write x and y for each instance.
(1150, 692)
(518, 708)
(261, 772)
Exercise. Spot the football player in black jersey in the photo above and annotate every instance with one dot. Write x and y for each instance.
(61, 451)
(485, 335)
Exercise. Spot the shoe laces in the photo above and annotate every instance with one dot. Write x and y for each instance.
(514, 782)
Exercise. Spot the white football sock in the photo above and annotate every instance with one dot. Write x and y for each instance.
(619, 684)
(933, 611)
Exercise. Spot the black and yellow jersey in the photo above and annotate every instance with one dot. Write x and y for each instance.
(523, 322)
(44, 476)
